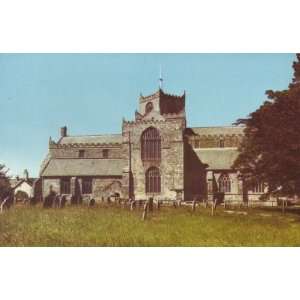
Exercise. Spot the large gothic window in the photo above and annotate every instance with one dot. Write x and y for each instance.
(153, 180)
(224, 183)
(150, 145)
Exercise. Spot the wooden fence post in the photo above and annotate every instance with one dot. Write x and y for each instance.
(158, 205)
(194, 205)
(150, 204)
(144, 216)
(2, 204)
(132, 205)
(213, 206)
(283, 205)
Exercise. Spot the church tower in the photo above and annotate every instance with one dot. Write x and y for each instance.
(154, 146)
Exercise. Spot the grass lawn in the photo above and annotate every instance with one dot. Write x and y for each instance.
(114, 226)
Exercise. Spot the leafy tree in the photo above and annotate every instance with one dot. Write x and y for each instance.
(4, 182)
(270, 151)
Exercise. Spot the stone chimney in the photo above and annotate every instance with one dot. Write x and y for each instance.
(26, 174)
(63, 131)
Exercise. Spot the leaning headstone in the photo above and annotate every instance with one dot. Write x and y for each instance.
(63, 201)
(73, 199)
(57, 201)
(213, 206)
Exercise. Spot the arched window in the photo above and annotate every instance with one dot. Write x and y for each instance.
(224, 183)
(150, 145)
(153, 180)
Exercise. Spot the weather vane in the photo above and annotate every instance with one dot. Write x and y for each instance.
(160, 78)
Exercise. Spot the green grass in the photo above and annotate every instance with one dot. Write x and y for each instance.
(114, 226)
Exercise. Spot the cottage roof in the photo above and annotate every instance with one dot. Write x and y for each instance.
(14, 182)
(90, 139)
(84, 167)
(217, 158)
(220, 130)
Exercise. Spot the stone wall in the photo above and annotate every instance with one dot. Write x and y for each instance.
(47, 182)
(214, 141)
(89, 152)
(102, 187)
(106, 187)
(195, 184)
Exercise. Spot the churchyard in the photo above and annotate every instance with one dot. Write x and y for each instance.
(116, 225)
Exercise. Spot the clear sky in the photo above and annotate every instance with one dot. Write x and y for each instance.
(91, 93)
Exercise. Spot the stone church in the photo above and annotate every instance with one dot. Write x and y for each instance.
(156, 155)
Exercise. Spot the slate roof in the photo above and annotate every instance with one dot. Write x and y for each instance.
(217, 158)
(221, 130)
(84, 167)
(89, 139)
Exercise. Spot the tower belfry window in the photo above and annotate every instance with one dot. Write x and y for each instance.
(149, 107)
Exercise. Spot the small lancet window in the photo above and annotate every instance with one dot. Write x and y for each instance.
(105, 153)
(81, 153)
(221, 143)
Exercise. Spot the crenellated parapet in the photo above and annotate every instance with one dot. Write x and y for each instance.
(150, 97)
(215, 140)
(180, 114)
(54, 145)
(145, 122)
(162, 103)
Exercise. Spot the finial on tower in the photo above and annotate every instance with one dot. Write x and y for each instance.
(160, 78)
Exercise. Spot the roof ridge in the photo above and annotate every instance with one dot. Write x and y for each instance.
(80, 135)
(83, 158)
(224, 126)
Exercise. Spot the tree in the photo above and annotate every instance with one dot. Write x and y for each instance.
(4, 183)
(270, 151)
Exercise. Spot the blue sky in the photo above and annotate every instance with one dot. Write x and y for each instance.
(91, 93)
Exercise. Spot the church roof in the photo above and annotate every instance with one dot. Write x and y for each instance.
(92, 139)
(84, 167)
(217, 158)
(220, 130)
